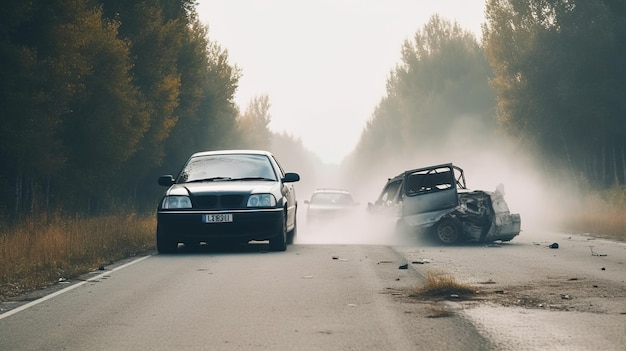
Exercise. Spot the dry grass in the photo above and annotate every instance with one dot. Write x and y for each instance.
(442, 285)
(40, 251)
(599, 214)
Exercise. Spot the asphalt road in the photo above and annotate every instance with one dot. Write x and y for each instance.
(337, 292)
(311, 297)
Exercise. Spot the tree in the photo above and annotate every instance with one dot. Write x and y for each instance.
(253, 125)
(438, 99)
(558, 73)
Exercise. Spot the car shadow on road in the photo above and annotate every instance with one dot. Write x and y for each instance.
(223, 248)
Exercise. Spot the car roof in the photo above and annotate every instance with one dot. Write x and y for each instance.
(442, 165)
(231, 152)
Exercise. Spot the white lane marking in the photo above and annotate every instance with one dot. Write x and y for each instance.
(71, 287)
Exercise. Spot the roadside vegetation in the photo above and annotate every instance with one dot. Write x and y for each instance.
(442, 285)
(44, 250)
(601, 214)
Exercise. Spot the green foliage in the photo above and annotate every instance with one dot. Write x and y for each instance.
(96, 97)
(441, 83)
(559, 76)
(253, 125)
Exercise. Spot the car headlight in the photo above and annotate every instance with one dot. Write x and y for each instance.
(261, 200)
(174, 202)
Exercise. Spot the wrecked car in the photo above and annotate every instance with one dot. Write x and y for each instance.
(435, 200)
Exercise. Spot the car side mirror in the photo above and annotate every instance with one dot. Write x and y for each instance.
(291, 177)
(166, 180)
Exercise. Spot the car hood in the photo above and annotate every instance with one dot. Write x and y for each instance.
(252, 187)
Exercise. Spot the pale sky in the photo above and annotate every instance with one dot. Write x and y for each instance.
(323, 64)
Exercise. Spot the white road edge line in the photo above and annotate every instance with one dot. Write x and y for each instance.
(71, 287)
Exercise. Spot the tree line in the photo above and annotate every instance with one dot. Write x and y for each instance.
(99, 96)
(548, 74)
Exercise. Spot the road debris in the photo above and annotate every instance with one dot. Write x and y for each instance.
(554, 246)
(404, 266)
(595, 253)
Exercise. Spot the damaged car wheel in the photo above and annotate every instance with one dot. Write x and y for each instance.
(449, 231)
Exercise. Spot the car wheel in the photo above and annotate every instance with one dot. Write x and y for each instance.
(279, 242)
(448, 231)
(165, 244)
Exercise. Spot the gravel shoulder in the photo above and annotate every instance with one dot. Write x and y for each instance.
(534, 296)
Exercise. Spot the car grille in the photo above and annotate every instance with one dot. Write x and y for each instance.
(218, 202)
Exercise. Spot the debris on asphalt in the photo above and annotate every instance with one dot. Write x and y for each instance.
(404, 266)
(554, 246)
(422, 261)
(595, 253)
(565, 297)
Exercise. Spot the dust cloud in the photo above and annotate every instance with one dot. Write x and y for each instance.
(488, 161)
(360, 228)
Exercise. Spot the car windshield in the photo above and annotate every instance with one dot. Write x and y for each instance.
(227, 167)
(331, 199)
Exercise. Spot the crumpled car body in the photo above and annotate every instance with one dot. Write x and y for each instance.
(436, 200)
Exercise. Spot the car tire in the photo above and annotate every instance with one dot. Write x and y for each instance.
(279, 242)
(449, 231)
(165, 245)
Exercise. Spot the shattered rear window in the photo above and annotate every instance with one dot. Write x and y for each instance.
(429, 180)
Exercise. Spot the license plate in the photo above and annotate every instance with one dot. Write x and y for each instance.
(217, 218)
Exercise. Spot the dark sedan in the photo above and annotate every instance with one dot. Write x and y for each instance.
(228, 196)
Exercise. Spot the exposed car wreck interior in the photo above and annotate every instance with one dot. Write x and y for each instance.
(435, 200)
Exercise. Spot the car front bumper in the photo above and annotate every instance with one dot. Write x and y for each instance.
(257, 224)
